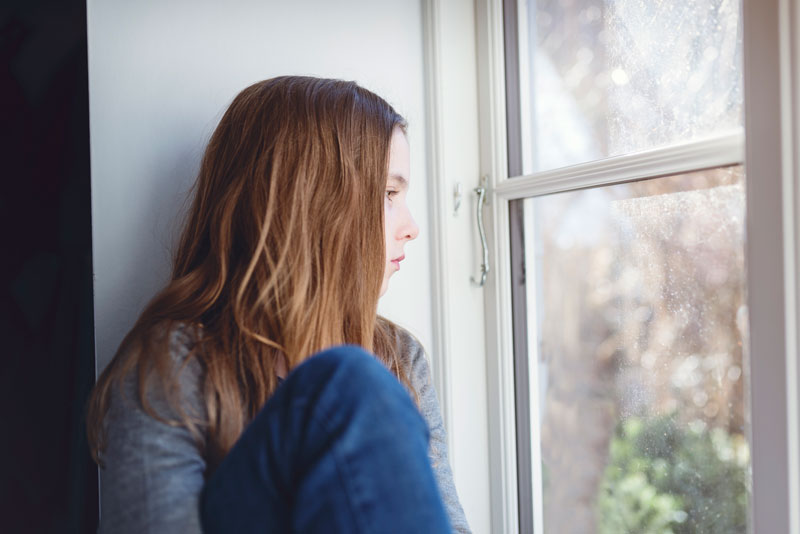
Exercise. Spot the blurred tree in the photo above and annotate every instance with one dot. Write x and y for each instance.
(664, 477)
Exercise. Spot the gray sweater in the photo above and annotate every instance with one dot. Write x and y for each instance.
(154, 472)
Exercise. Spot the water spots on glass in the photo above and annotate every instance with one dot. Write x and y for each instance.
(609, 77)
(641, 326)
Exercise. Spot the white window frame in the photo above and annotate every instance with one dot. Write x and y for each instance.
(769, 145)
(457, 354)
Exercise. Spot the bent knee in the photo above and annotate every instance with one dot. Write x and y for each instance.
(352, 372)
(347, 382)
(360, 367)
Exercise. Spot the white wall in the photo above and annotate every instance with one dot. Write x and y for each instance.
(160, 76)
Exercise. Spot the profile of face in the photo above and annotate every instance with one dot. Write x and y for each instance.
(399, 225)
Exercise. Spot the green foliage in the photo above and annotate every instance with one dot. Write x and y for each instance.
(664, 478)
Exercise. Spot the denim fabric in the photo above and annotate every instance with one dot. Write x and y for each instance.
(339, 447)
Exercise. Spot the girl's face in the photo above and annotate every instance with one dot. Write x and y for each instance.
(399, 225)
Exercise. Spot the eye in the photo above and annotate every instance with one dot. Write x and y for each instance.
(390, 193)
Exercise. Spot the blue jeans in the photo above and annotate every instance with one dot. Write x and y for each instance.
(339, 447)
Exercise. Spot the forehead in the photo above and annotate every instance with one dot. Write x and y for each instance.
(399, 160)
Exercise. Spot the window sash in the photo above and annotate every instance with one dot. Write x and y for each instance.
(713, 152)
(708, 153)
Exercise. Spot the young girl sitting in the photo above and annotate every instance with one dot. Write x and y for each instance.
(259, 391)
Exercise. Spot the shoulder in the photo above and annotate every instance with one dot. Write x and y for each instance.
(182, 344)
(183, 338)
(173, 374)
(407, 343)
(414, 357)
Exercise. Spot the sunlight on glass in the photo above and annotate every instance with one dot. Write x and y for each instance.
(637, 328)
(607, 77)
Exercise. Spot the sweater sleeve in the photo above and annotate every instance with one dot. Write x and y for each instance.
(153, 472)
(429, 407)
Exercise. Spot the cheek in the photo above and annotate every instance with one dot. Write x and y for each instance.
(388, 222)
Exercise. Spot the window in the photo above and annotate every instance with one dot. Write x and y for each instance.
(636, 326)
(747, 143)
(620, 216)
(602, 78)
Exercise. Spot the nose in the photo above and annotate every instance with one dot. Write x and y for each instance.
(409, 229)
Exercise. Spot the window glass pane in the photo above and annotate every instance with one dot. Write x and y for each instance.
(601, 78)
(637, 323)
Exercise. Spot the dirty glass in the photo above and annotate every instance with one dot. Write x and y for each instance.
(637, 329)
(601, 78)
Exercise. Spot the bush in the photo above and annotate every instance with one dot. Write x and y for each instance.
(663, 477)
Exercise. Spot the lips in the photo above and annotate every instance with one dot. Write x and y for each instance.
(396, 261)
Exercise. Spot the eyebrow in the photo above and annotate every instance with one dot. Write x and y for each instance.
(400, 178)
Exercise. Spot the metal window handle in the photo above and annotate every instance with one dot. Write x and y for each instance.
(481, 191)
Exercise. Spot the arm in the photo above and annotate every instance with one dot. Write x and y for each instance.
(429, 406)
(153, 472)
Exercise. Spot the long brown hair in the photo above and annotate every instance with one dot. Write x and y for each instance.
(282, 254)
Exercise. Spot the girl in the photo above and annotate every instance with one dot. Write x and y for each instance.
(259, 390)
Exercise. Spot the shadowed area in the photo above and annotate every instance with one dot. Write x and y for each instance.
(48, 482)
